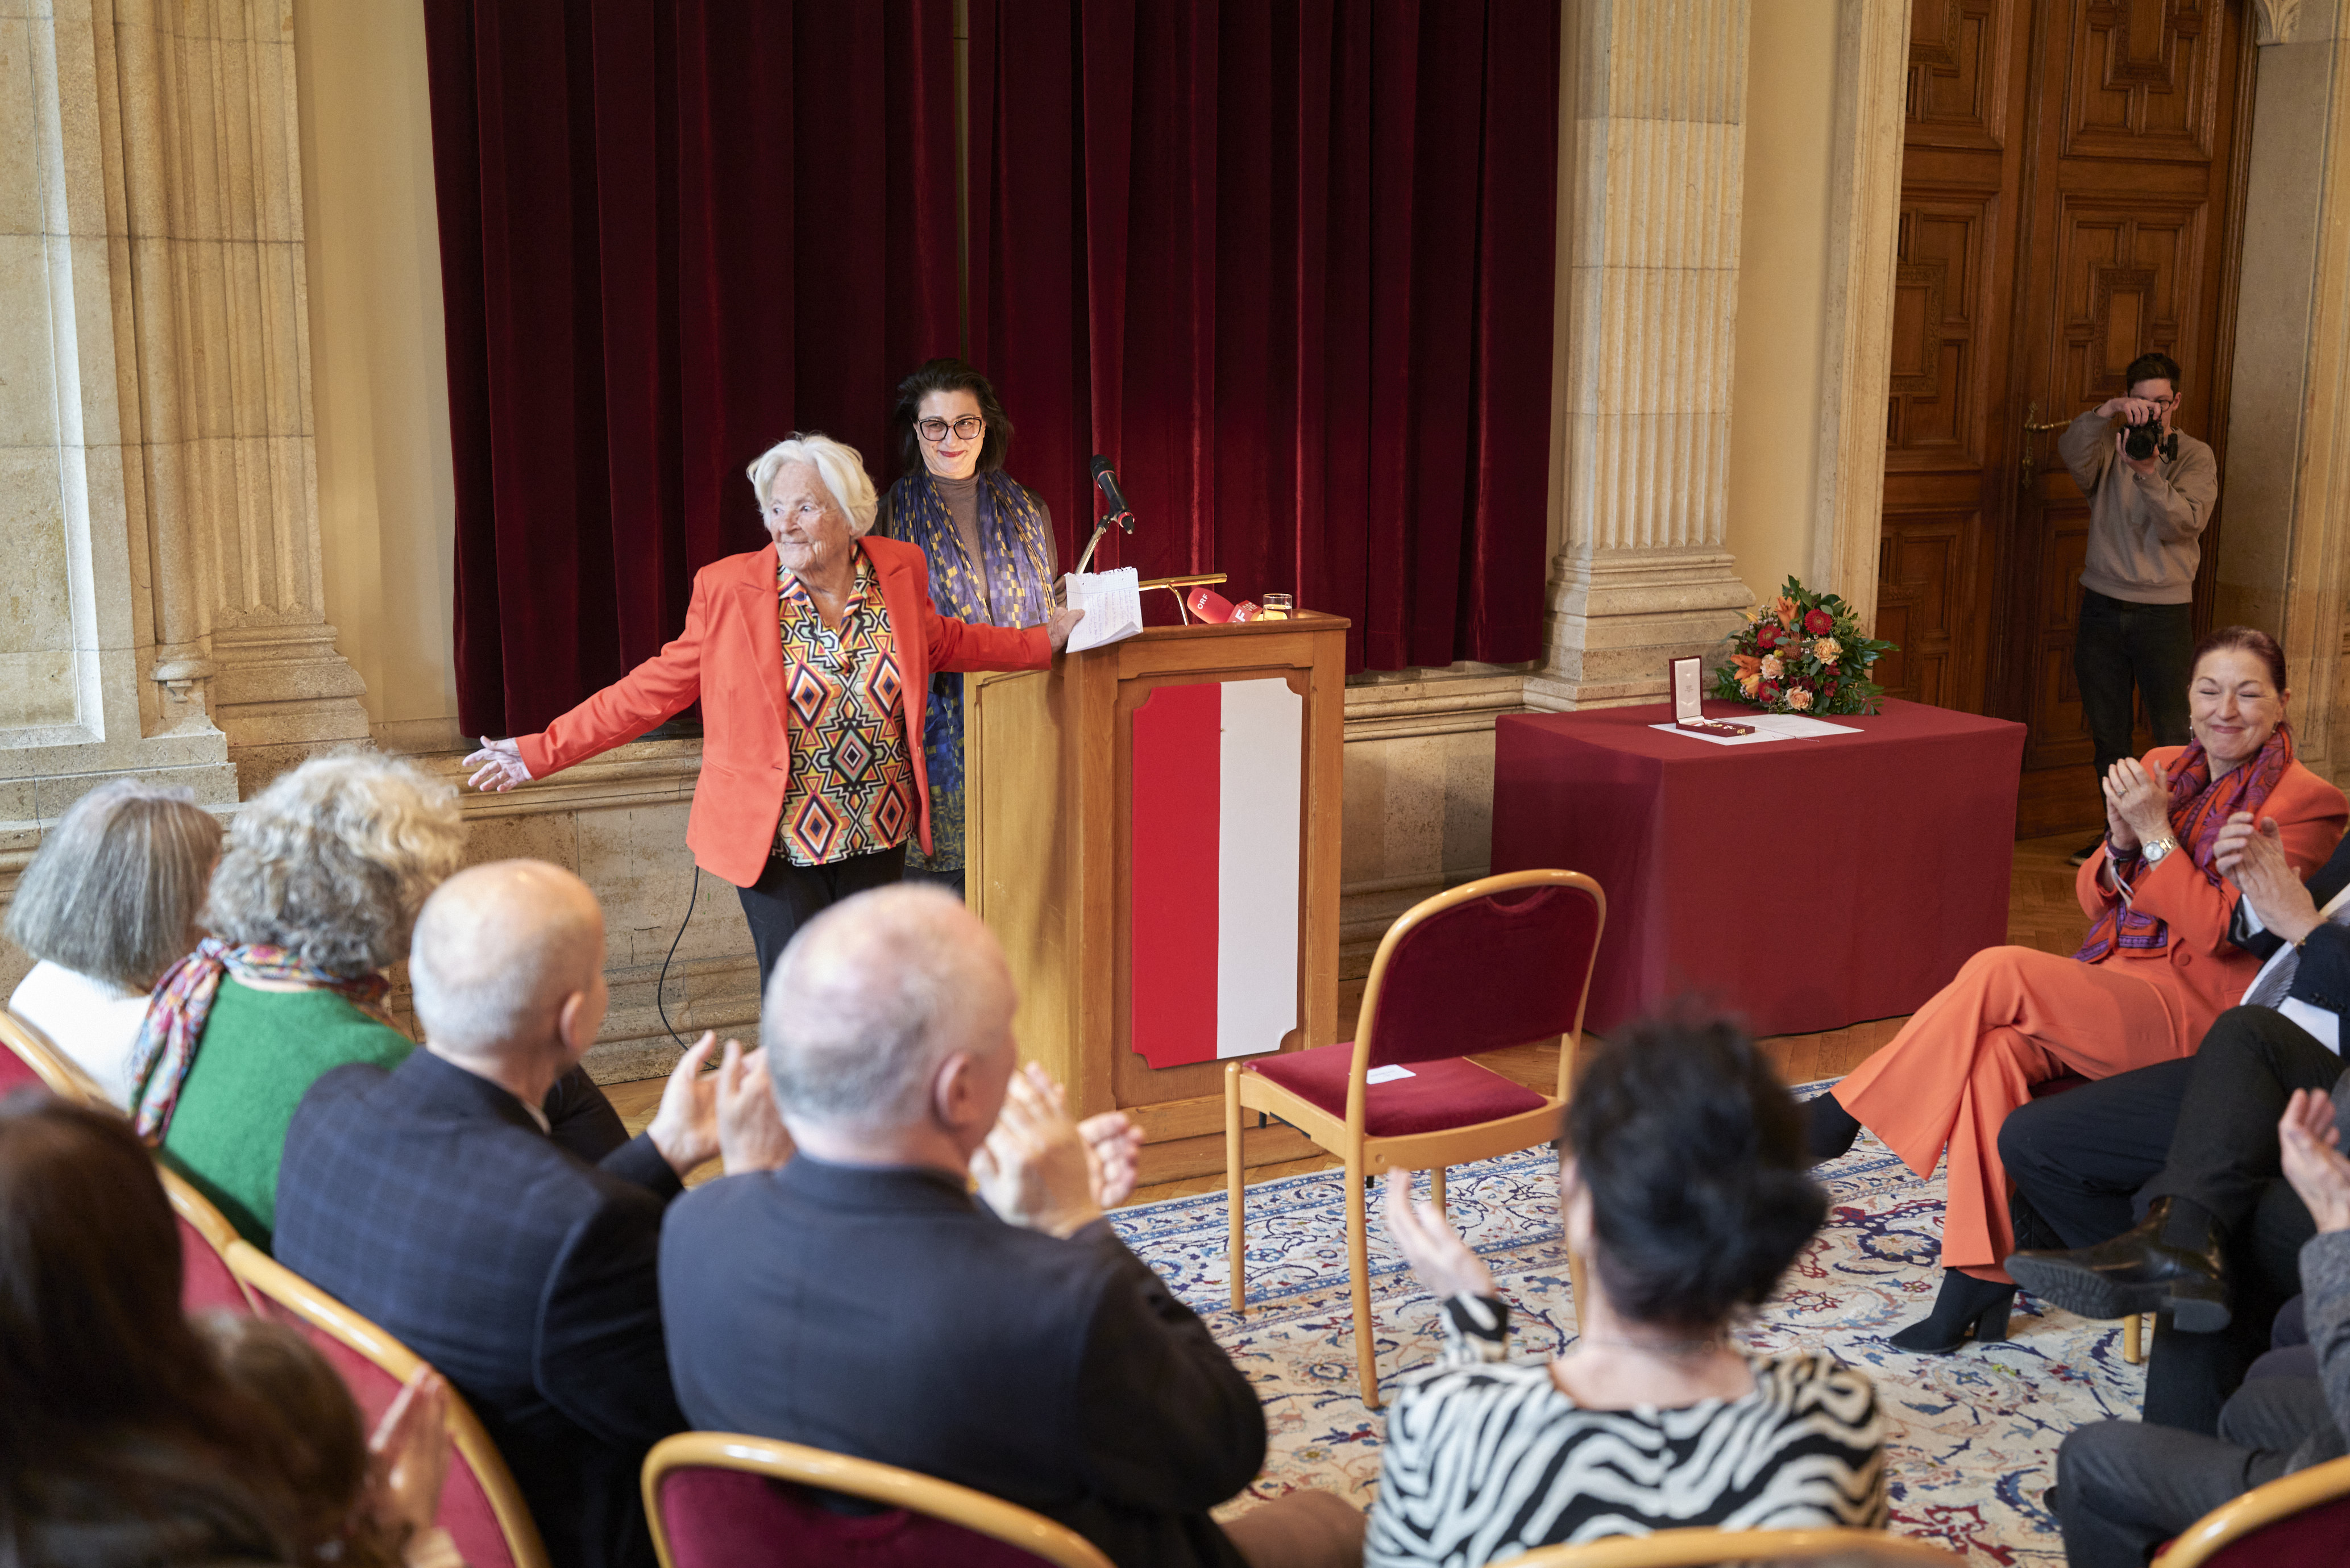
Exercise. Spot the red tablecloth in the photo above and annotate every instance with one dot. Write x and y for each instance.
(1805, 884)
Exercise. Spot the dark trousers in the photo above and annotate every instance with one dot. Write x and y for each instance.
(787, 896)
(2088, 1161)
(2117, 644)
(949, 881)
(2125, 1488)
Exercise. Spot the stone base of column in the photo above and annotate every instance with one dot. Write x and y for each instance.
(282, 695)
(1618, 618)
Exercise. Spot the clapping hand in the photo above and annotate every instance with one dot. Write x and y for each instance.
(1114, 1144)
(1035, 1169)
(1430, 1245)
(751, 1135)
(2137, 804)
(408, 1457)
(685, 1128)
(2253, 859)
(2307, 1136)
(497, 766)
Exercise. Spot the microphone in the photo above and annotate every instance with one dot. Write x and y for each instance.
(1106, 477)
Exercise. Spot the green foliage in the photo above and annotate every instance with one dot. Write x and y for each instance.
(1805, 683)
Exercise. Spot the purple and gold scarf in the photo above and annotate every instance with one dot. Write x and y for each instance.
(182, 1001)
(2199, 809)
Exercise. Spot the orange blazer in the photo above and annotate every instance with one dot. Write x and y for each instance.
(730, 655)
(2204, 973)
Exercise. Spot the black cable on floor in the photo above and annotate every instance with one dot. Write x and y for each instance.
(660, 1000)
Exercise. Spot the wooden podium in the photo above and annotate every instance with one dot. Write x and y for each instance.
(1168, 928)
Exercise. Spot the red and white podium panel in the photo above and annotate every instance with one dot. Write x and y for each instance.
(1152, 831)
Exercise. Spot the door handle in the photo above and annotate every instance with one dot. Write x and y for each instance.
(2029, 470)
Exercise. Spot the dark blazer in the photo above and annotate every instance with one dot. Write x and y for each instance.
(429, 1201)
(2322, 979)
(886, 1314)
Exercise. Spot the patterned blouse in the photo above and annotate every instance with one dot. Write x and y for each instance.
(1487, 1459)
(851, 790)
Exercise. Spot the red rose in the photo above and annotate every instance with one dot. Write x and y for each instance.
(1766, 636)
(1770, 692)
(1819, 623)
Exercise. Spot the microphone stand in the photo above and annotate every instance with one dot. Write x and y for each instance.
(1123, 519)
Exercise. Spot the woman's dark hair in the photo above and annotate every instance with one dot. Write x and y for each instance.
(115, 1411)
(2249, 639)
(1694, 1155)
(947, 375)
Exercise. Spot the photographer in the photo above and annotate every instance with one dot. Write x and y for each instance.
(2150, 492)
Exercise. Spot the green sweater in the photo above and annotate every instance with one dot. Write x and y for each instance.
(261, 1052)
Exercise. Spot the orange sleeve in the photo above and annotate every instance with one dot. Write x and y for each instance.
(963, 644)
(2198, 912)
(657, 690)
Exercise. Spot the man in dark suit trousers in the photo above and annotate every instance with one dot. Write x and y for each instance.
(2218, 1249)
(860, 1299)
(431, 1201)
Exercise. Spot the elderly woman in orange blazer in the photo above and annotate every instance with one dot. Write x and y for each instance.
(2157, 969)
(802, 654)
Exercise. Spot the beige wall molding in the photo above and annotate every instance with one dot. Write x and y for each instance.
(1653, 143)
(1864, 222)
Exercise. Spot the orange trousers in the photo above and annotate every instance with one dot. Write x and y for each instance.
(2013, 1018)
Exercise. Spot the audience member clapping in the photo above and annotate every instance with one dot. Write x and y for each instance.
(108, 902)
(124, 1441)
(433, 1199)
(1682, 1185)
(861, 1299)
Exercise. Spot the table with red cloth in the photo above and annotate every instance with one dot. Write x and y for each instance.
(1803, 885)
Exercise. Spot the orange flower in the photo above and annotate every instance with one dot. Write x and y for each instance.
(1745, 664)
(1798, 699)
(1772, 668)
(1786, 613)
(1827, 651)
(1749, 684)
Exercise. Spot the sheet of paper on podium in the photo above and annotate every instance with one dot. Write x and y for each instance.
(1113, 605)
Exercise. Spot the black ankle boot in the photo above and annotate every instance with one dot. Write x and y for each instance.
(1833, 1129)
(2170, 1263)
(1964, 1302)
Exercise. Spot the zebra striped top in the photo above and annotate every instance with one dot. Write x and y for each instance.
(1486, 1458)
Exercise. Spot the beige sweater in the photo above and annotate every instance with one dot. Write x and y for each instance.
(2145, 530)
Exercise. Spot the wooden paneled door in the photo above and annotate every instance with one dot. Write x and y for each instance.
(2069, 201)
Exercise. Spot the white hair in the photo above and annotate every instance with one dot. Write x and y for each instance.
(837, 463)
(868, 1000)
(497, 949)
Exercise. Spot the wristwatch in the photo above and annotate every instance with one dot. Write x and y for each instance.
(2153, 852)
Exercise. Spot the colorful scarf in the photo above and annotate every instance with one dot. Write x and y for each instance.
(184, 1000)
(1009, 584)
(2199, 809)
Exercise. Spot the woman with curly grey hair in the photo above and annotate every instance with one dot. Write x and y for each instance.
(109, 902)
(324, 872)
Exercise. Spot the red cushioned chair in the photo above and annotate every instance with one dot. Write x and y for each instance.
(2302, 1518)
(1699, 1548)
(31, 1057)
(481, 1508)
(206, 1279)
(719, 1499)
(1505, 960)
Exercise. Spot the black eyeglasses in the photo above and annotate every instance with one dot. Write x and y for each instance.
(967, 427)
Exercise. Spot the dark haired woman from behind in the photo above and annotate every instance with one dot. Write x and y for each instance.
(123, 1442)
(989, 542)
(1682, 1182)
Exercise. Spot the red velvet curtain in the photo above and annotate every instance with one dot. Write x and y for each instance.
(1290, 267)
(672, 233)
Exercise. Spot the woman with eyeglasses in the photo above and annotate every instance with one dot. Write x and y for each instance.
(989, 540)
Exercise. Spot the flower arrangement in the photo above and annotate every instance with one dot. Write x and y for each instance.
(1801, 653)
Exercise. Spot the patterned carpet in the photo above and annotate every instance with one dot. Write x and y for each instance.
(1973, 1436)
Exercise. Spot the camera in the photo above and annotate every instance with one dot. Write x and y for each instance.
(2144, 441)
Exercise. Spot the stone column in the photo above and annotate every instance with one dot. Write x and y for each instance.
(1652, 152)
(212, 208)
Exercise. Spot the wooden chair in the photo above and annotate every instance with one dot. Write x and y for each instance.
(207, 1279)
(33, 1057)
(481, 1508)
(1702, 1548)
(715, 1501)
(2302, 1518)
(1503, 960)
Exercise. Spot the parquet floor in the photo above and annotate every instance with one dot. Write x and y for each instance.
(2041, 913)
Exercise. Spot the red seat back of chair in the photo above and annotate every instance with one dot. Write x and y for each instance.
(465, 1512)
(15, 1072)
(206, 1281)
(732, 1519)
(2315, 1538)
(1501, 970)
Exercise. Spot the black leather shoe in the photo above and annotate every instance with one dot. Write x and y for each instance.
(1963, 1304)
(1831, 1130)
(2087, 852)
(2139, 1271)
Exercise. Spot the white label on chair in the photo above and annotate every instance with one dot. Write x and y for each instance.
(1387, 1075)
